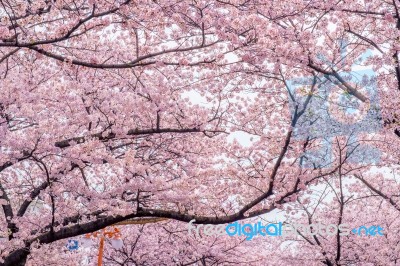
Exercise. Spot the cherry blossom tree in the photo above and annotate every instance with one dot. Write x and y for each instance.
(184, 110)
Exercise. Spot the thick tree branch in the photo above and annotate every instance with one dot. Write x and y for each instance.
(342, 83)
(132, 132)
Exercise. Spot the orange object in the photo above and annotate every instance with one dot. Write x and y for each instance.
(101, 248)
(113, 233)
